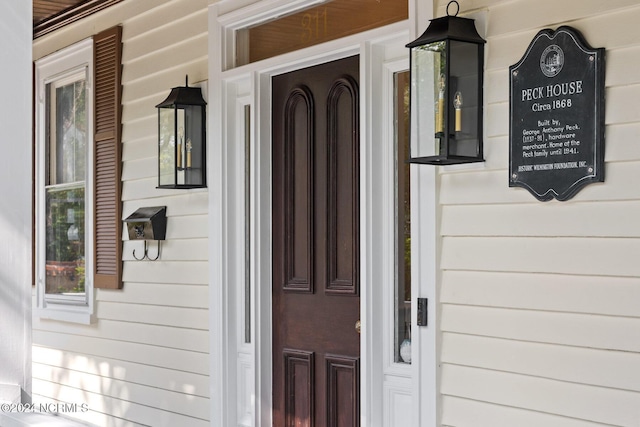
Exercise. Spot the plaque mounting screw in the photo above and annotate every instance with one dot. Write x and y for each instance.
(590, 170)
(515, 73)
(514, 176)
(591, 58)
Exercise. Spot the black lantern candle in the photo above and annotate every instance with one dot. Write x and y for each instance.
(181, 139)
(446, 92)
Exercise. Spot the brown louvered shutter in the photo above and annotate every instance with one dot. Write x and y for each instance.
(107, 54)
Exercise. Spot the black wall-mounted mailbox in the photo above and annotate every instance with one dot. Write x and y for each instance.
(147, 223)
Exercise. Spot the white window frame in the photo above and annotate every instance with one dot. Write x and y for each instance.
(57, 67)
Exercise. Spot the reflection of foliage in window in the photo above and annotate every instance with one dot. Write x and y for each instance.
(71, 132)
(65, 239)
(65, 224)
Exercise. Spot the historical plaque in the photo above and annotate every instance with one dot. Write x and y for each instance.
(556, 108)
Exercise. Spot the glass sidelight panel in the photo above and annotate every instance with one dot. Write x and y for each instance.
(247, 224)
(402, 325)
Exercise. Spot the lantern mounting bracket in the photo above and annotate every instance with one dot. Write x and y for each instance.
(457, 10)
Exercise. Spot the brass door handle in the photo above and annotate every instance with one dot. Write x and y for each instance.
(358, 326)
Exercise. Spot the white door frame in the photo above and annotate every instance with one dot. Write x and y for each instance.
(240, 376)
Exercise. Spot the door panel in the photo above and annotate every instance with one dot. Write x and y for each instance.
(316, 302)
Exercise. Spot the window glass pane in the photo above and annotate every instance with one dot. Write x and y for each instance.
(247, 224)
(403, 222)
(65, 240)
(329, 21)
(66, 149)
(67, 132)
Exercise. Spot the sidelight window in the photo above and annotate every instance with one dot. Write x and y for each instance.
(403, 221)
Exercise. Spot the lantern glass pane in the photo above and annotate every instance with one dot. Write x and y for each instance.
(428, 101)
(191, 166)
(167, 142)
(464, 99)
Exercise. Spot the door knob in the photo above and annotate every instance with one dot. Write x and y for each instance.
(358, 326)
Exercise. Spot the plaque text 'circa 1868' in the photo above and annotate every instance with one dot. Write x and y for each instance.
(556, 108)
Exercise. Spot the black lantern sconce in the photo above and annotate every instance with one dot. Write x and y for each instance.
(181, 139)
(446, 92)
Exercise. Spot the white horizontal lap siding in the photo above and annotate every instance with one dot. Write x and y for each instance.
(539, 301)
(145, 359)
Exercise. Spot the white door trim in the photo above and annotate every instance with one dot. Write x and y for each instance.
(251, 84)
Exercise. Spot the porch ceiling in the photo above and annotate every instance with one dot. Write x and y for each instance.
(49, 15)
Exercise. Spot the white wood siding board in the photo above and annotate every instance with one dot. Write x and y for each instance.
(188, 273)
(603, 368)
(177, 57)
(164, 34)
(142, 110)
(465, 5)
(608, 406)
(166, 400)
(187, 203)
(503, 51)
(140, 148)
(619, 62)
(148, 91)
(485, 187)
(496, 152)
(170, 295)
(496, 86)
(614, 296)
(179, 317)
(497, 119)
(170, 250)
(493, 187)
(621, 105)
(152, 376)
(164, 357)
(188, 227)
(622, 142)
(582, 256)
(146, 188)
(140, 168)
(606, 219)
(150, 19)
(186, 339)
(155, 88)
(116, 407)
(137, 129)
(514, 17)
(571, 329)
(460, 412)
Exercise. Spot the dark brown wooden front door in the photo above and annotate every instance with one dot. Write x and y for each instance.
(316, 287)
